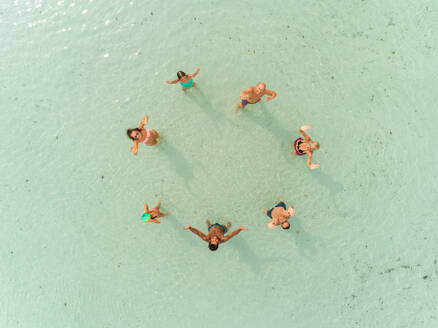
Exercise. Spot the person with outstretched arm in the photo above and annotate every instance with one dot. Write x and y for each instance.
(216, 233)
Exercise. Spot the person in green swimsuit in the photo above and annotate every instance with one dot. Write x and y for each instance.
(216, 234)
(186, 80)
(154, 214)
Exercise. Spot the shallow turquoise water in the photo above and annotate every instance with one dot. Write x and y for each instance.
(362, 250)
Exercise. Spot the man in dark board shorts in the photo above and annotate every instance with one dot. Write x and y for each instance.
(216, 234)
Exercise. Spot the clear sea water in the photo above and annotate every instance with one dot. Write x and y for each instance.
(362, 250)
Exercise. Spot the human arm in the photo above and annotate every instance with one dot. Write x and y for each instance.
(231, 235)
(271, 94)
(154, 221)
(146, 208)
(270, 224)
(157, 207)
(196, 73)
(305, 135)
(196, 232)
(134, 148)
(244, 95)
(172, 82)
(143, 122)
(309, 164)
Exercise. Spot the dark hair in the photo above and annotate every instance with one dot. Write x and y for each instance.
(129, 131)
(285, 228)
(213, 247)
(180, 74)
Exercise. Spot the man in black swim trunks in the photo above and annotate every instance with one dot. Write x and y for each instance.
(279, 215)
(216, 234)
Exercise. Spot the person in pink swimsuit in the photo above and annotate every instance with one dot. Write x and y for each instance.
(140, 134)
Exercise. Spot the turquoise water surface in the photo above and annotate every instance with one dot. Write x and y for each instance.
(362, 248)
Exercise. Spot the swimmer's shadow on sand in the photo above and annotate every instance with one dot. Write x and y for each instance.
(178, 226)
(334, 187)
(180, 164)
(197, 96)
(327, 181)
(185, 234)
(216, 115)
(270, 123)
(305, 242)
(247, 255)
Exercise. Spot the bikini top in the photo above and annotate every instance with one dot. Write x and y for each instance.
(299, 144)
(148, 134)
(187, 84)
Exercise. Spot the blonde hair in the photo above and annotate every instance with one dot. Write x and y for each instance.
(317, 145)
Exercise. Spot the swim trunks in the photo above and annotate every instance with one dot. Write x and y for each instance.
(280, 204)
(217, 224)
(246, 102)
